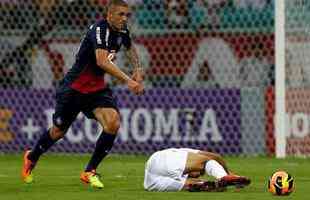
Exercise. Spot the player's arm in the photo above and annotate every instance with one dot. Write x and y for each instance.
(216, 157)
(108, 66)
(133, 58)
(99, 38)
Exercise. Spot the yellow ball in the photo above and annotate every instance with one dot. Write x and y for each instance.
(281, 183)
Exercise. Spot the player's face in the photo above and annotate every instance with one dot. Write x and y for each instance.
(118, 17)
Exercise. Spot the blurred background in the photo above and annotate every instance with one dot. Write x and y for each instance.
(210, 73)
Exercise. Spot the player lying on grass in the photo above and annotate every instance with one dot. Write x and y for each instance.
(179, 169)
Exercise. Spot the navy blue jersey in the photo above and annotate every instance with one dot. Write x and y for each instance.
(86, 76)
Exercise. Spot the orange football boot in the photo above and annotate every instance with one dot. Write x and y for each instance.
(91, 178)
(238, 181)
(28, 166)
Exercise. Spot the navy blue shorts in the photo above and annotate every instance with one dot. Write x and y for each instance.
(69, 103)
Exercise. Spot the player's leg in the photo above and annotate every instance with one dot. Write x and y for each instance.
(198, 185)
(65, 113)
(229, 179)
(156, 165)
(47, 139)
(102, 107)
(110, 121)
(216, 157)
(207, 163)
(197, 162)
(162, 183)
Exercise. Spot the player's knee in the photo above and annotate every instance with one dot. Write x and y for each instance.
(112, 123)
(57, 133)
(109, 119)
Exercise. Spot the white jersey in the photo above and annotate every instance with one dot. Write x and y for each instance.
(164, 170)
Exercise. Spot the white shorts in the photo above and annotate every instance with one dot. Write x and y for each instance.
(164, 170)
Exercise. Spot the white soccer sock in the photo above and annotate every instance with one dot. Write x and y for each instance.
(213, 168)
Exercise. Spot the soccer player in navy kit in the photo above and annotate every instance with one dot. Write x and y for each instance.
(83, 90)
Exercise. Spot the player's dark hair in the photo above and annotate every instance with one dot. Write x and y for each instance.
(117, 3)
(114, 3)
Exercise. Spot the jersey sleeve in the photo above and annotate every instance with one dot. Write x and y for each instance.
(127, 40)
(99, 36)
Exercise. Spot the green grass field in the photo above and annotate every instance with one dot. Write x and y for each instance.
(57, 177)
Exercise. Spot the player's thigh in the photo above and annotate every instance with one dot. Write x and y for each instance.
(175, 162)
(101, 99)
(165, 184)
(67, 108)
(169, 184)
(156, 164)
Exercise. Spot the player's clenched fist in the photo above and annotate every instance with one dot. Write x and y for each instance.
(135, 87)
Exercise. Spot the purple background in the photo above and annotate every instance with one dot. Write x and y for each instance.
(226, 104)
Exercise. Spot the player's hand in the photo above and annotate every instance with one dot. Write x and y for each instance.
(135, 87)
(138, 75)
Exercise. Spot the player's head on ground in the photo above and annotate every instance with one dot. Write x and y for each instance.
(118, 13)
